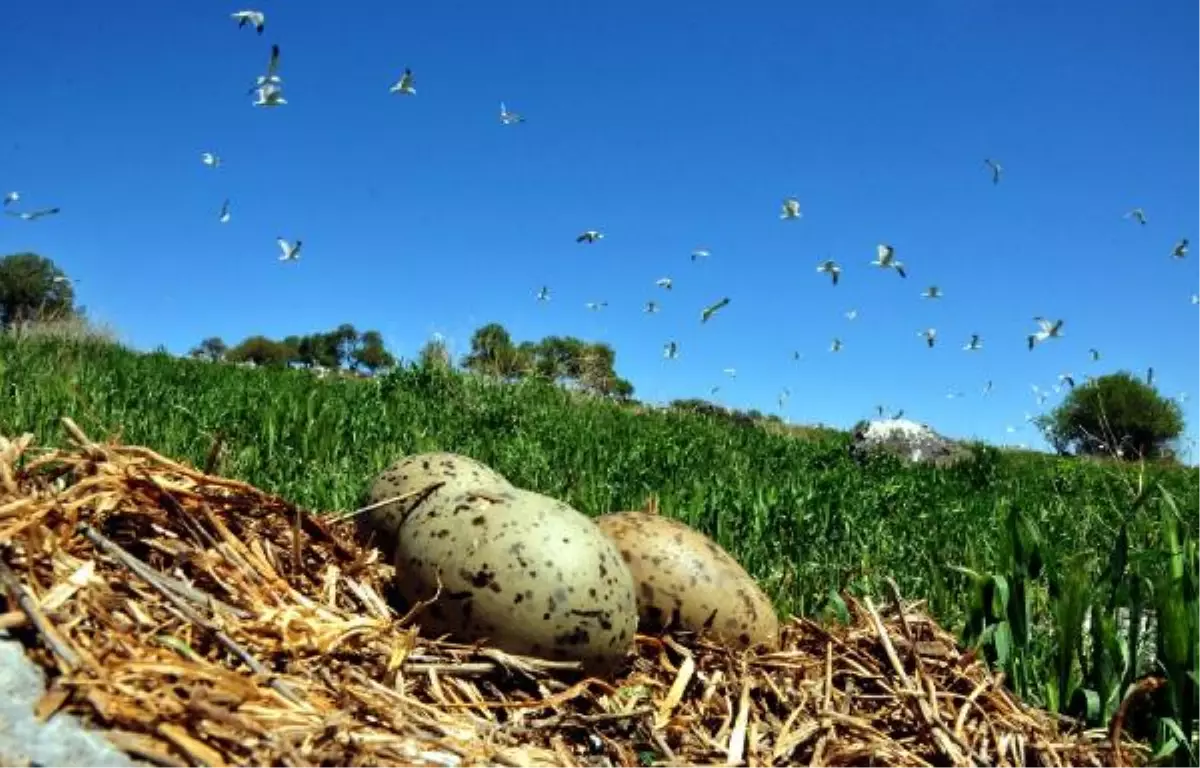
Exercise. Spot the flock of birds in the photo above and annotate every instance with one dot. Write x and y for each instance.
(268, 92)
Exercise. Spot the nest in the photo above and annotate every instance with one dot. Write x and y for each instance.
(193, 619)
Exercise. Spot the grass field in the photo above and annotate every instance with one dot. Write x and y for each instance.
(798, 513)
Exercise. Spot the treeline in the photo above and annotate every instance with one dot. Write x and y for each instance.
(342, 348)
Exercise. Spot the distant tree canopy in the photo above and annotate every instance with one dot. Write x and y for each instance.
(342, 347)
(561, 359)
(32, 287)
(1118, 414)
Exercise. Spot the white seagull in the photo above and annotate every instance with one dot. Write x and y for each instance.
(270, 96)
(835, 345)
(290, 252)
(987, 388)
(1181, 249)
(852, 314)
(1067, 380)
(932, 292)
(404, 85)
(886, 259)
(671, 350)
(223, 216)
(33, 215)
(700, 253)
(1094, 354)
(210, 159)
(791, 209)
(975, 344)
(272, 77)
(930, 336)
(11, 198)
(664, 282)
(796, 355)
(996, 168)
(544, 293)
(1138, 215)
(831, 268)
(596, 305)
(651, 307)
(590, 236)
(730, 372)
(1048, 330)
(712, 309)
(509, 118)
(256, 19)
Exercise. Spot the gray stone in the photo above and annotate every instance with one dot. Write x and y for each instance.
(906, 440)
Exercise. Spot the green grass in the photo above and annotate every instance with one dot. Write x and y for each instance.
(801, 516)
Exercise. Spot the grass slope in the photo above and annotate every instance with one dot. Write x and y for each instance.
(799, 514)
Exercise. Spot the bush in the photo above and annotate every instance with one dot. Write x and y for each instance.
(1118, 415)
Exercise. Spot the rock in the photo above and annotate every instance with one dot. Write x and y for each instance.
(906, 440)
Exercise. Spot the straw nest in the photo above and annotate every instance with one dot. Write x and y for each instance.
(196, 620)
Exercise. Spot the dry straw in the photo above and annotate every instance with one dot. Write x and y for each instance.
(196, 620)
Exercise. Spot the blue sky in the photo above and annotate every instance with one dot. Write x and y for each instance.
(669, 127)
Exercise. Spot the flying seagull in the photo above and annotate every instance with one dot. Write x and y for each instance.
(290, 252)
(987, 388)
(730, 372)
(11, 198)
(256, 19)
(835, 345)
(886, 259)
(651, 307)
(272, 77)
(270, 96)
(1047, 330)
(954, 394)
(1181, 249)
(544, 293)
(33, 215)
(509, 118)
(930, 335)
(1039, 394)
(997, 169)
(404, 85)
(796, 355)
(596, 305)
(589, 236)
(784, 394)
(831, 268)
(700, 253)
(210, 159)
(1150, 376)
(852, 314)
(712, 309)
(714, 390)
(664, 282)
(671, 350)
(791, 209)
(1138, 215)
(975, 344)
(1094, 353)
(932, 292)
(1067, 380)
(223, 216)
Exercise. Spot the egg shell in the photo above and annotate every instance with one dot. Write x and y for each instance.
(686, 580)
(527, 572)
(458, 473)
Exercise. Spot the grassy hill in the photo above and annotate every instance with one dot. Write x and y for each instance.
(798, 513)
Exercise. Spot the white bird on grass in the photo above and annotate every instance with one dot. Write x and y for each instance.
(712, 309)
(404, 86)
(975, 344)
(1181, 249)
(596, 305)
(256, 19)
(930, 336)
(210, 159)
(1138, 215)
(223, 216)
(664, 282)
(651, 307)
(590, 236)
(831, 268)
(791, 209)
(291, 252)
(885, 258)
(996, 168)
(835, 345)
(509, 118)
(33, 215)
(671, 350)
(11, 198)
(700, 253)
(1048, 330)
(932, 292)
(544, 293)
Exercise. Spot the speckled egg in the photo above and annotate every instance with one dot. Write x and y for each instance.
(528, 573)
(686, 580)
(412, 473)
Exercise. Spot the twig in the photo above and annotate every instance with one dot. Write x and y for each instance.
(65, 653)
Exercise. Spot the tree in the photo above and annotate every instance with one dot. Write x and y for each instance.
(492, 352)
(259, 350)
(435, 354)
(32, 287)
(212, 349)
(1118, 414)
(370, 353)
